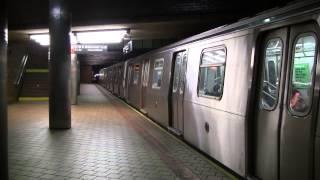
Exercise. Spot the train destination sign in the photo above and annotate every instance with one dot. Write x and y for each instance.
(82, 48)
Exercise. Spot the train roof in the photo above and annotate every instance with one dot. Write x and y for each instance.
(263, 18)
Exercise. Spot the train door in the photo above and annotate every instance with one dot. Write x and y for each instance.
(124, 80)
(129, 76)
(286, 104)
(177, 92)
(268, 104)
(121, 90)
(144, 83)
(115, 79)
(119, 81)
(299, 118)
(109, 79)
(112, 80)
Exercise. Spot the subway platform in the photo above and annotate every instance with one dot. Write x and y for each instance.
(108, 140)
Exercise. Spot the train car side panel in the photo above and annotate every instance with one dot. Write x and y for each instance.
(134, 83)
(115, 81)
(218, 126)
(156, 103)
(121, 80)
(125, 80)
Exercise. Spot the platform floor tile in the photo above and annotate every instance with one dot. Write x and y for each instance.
(108, 140)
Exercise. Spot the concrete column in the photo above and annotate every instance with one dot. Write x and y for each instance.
(74, 79)
(60, 60)
(3, 93)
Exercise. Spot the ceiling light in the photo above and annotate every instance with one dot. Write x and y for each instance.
(101, 37)
(73, 39)
(267, 20)
(42, 39)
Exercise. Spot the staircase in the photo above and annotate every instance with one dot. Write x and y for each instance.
(35, 83)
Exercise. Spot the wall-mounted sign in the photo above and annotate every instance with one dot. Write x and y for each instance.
(127, 48)
(83, 48)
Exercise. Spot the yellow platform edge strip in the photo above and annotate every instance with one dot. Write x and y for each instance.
(177, 139)
(37, 70)
(33, 98)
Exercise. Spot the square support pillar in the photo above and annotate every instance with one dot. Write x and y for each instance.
(60, 60)
(3, 92)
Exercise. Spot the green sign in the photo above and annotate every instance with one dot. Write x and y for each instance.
(302, 74)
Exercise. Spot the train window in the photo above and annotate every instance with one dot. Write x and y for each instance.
(145, 77)
(271, 76)
(302, 74)
(212, 70)
(176, 72)
(119, 76)
(136, 73)
(115, 73)
(129, 74)
(157, 73)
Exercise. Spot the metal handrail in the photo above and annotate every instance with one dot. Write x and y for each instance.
(270, 84)
(270, 95)
(21, 71)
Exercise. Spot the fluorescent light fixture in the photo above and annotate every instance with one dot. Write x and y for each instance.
(6, 36)
(267, 20)
(56, 12)
(73, 39)
(42, 39)
(101, 37)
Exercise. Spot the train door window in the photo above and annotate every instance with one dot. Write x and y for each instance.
(136, 73)
(176, 77)
(212, 71)
(146, 73)
(302, 74)
(272, 67)
(119, 75)
(129, 74)
(111, 76)
(115, 73)
(157, 73)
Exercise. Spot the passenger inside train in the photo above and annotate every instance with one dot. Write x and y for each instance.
(297, 102)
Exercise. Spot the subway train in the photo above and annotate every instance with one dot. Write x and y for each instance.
(245, 94)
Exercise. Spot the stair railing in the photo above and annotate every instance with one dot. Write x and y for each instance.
(21, 71)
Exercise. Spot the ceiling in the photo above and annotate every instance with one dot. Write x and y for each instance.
(34, 13)
(146, 19)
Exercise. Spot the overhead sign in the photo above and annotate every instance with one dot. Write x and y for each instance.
(83, 48)
(127, 48)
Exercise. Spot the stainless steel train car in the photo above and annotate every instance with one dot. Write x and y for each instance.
(246, 94)
(111, 78)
